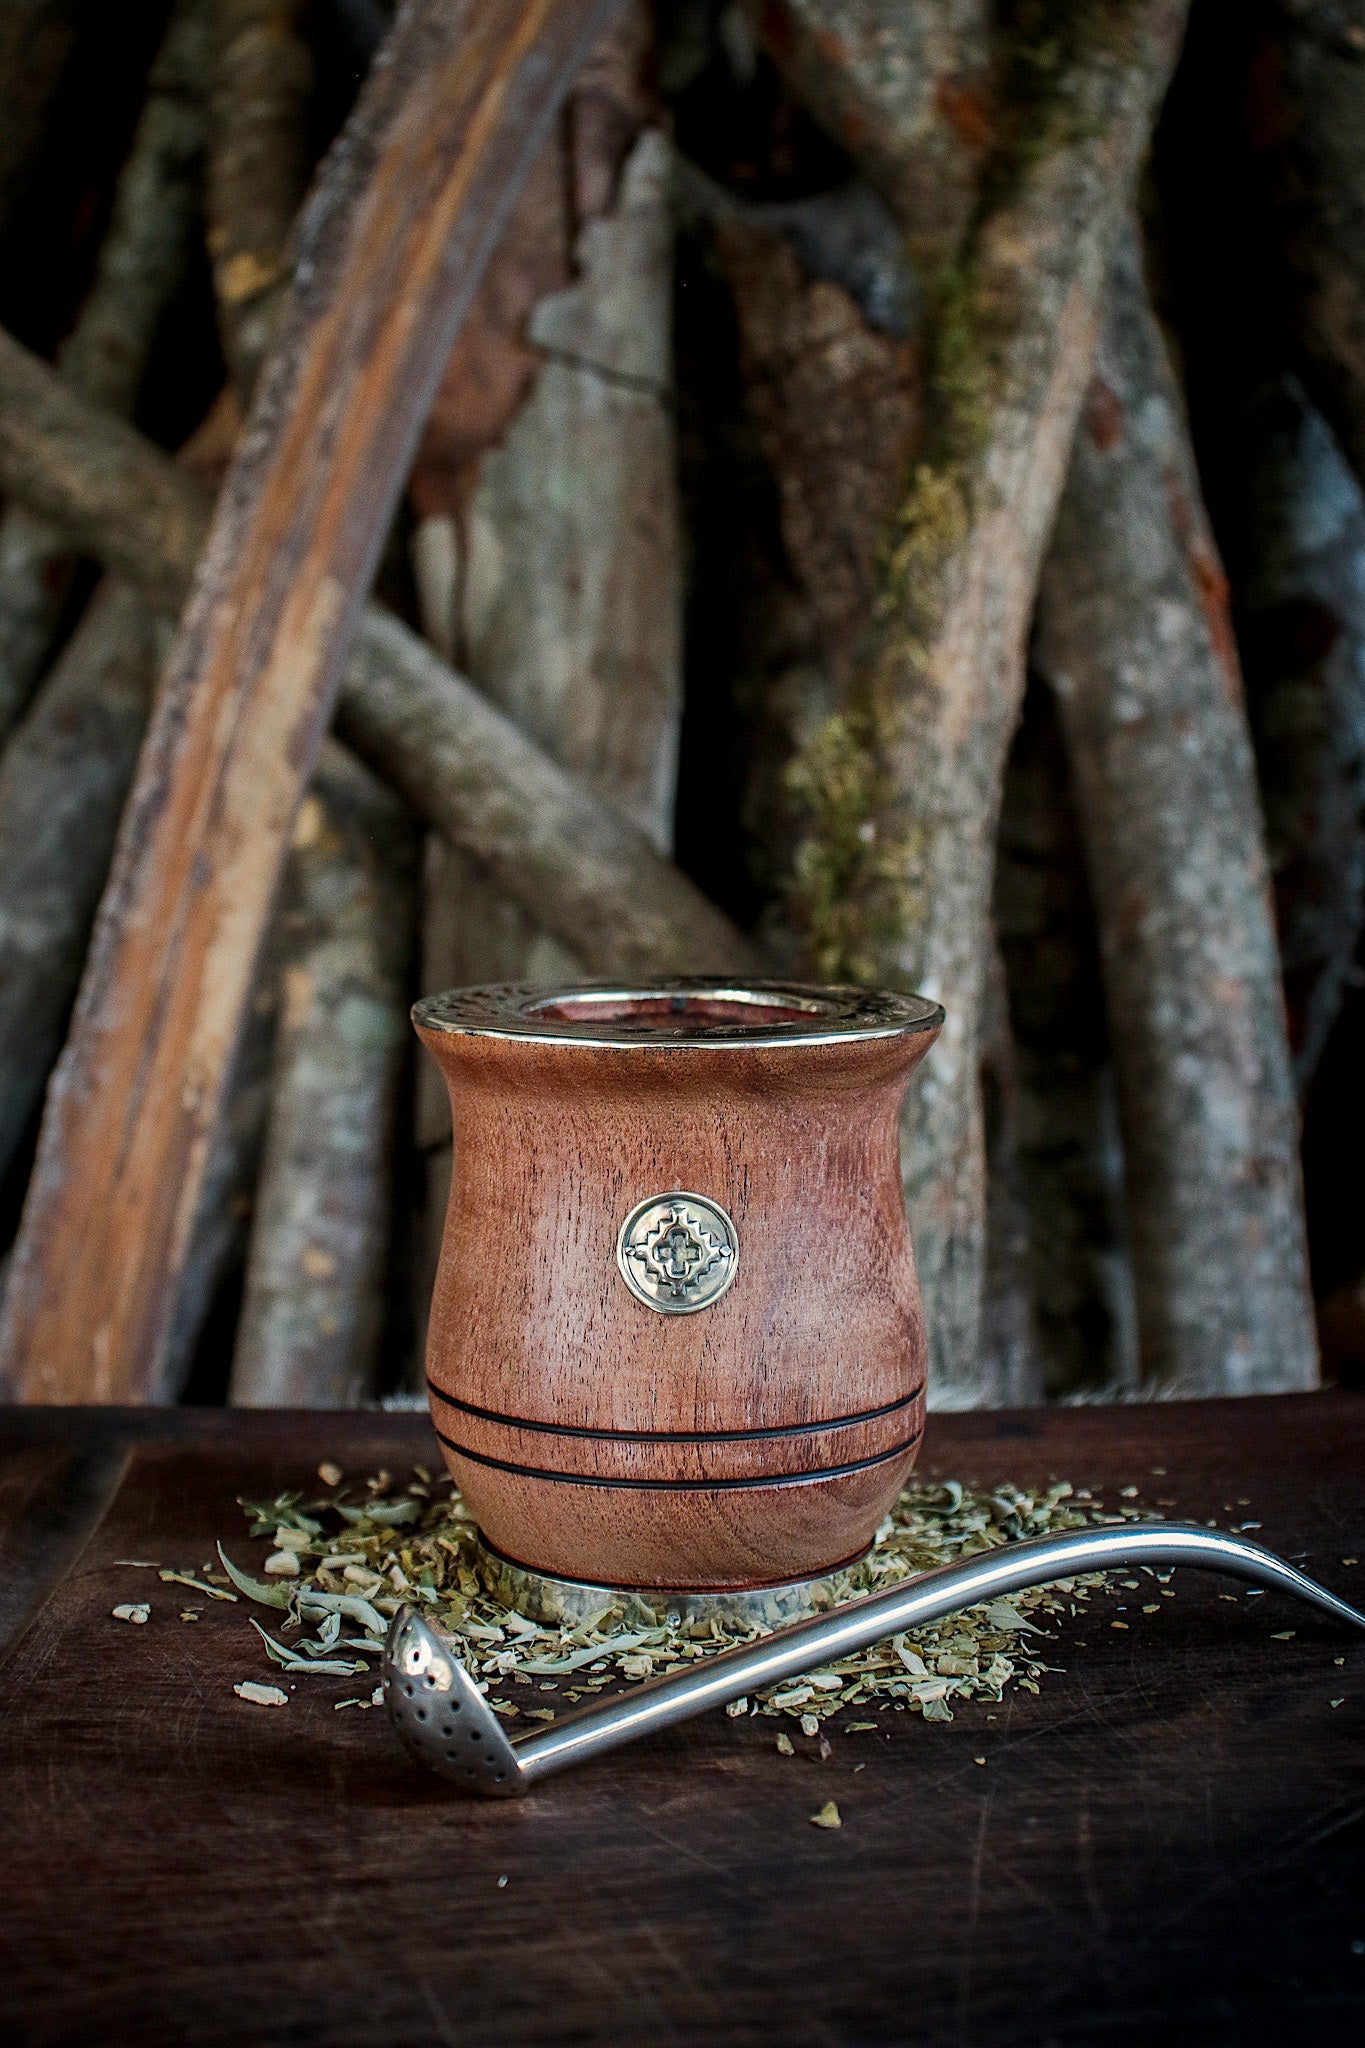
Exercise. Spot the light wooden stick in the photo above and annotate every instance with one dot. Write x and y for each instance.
(405, 214)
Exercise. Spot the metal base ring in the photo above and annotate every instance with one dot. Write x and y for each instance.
(570, 1602)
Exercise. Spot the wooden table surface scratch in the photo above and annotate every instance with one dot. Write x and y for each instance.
(1168, 1845)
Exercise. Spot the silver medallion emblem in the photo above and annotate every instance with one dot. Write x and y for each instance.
(677, 1253)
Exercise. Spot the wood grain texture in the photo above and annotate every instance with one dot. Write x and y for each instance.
(542, 1359)
(1165, 1845)
(403, 218)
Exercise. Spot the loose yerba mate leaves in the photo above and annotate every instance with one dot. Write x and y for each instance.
(358, 1559)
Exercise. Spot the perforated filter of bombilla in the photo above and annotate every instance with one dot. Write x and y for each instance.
(441, 1716)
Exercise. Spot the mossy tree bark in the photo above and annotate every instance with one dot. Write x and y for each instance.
(831, 334)
(904, 782)
(909, 90)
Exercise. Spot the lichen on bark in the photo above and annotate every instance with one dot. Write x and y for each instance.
(934, 695)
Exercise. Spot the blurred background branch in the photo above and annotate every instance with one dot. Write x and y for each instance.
(893, 512)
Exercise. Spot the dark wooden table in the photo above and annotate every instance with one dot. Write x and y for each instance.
(1168, 1845)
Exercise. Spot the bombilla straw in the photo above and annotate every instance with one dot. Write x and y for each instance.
(445, 1722)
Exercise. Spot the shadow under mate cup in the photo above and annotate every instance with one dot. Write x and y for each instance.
(676, 1339)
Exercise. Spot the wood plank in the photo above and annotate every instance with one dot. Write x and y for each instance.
(1165, 1845)
(403, 219)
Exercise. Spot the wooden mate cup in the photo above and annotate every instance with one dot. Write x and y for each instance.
(676, 1339)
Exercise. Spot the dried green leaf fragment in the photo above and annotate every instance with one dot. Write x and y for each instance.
(261, 1695)
(255, 1589)
(198, 1585)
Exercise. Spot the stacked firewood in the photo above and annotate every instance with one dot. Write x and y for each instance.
(841, 501)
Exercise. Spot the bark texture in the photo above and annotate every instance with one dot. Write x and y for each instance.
(568, 858)
(908, 91)
(258, 168)
(1309, 119)
(140, 267)
(1301, 621)
(549, 550)
(115, 496)
(64, 778)
(570, 592)
(405, 215)
(824, 299)
(836, 395)
(1136, 637)
(903, 783)
(1070, 1159)
(312, 1314)
(832, 389)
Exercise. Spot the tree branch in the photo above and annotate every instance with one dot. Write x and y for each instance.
(908, 91)
(904, 783)
(312, 1313)
(258, 169)
(63, 780)
(586, 875)
(406, 212)
(1136, 636)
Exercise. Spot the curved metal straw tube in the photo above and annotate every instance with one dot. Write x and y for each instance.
(445, 1722)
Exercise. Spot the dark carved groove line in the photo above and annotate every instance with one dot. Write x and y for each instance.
(674, 1436)
(683, 1485)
